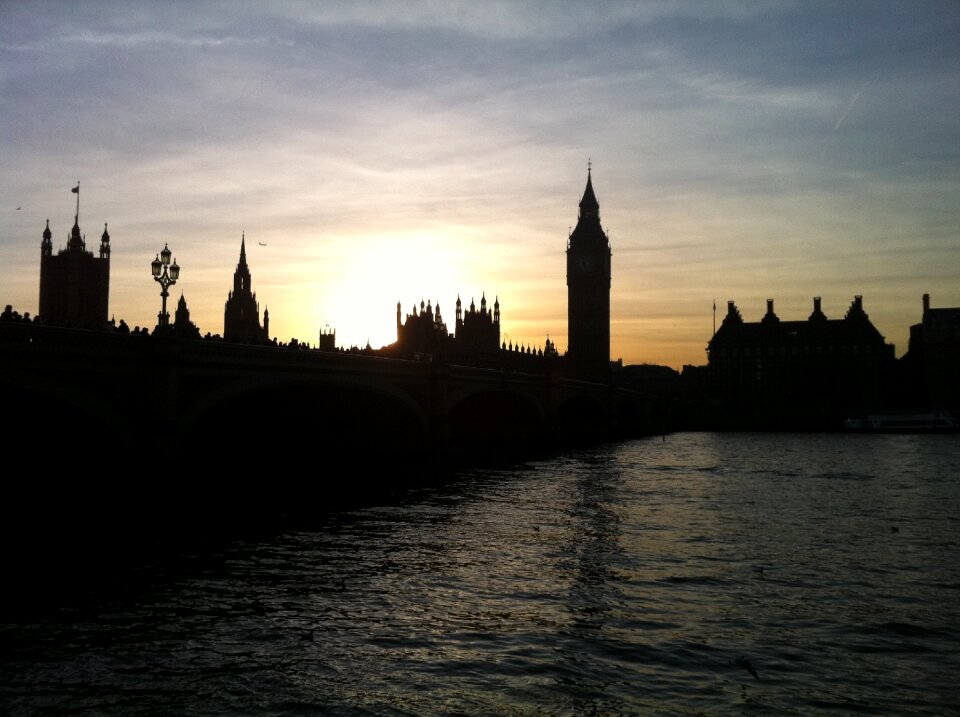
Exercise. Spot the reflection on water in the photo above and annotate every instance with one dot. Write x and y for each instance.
(635, 578)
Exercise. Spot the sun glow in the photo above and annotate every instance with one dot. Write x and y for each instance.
(379, 271)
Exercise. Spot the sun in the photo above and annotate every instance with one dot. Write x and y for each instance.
(378, 271)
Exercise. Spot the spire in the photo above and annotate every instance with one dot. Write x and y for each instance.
(241, 277)
(589, 206)
(46, 244)
(105, 244)
(75, 241)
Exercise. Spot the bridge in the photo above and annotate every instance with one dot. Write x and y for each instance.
(71, 393)
(116, 441)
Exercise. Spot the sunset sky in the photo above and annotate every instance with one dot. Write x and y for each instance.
(417, 150)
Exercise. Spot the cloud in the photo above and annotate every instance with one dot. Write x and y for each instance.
(137, 39)
(326, 129)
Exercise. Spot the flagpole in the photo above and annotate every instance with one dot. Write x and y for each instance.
(77, 216)
(714, 309)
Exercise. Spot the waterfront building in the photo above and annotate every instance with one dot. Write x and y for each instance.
(799, 374)
(588, 293)
(933, 358)
(423, 335)
(74, 284)
(477, 332)
(241, 314)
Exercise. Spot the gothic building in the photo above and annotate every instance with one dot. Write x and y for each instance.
(588, 293)
(423, 334)
(182, 325)
(241, 314)
(74, 284)
(799, 374)
(478, 332)
(475, 341)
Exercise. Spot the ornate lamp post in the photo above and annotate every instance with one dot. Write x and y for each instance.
(166, 274)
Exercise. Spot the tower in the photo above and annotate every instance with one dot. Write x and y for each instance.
(241, 314)
(74, 284)
(588, 292)
(182, 325)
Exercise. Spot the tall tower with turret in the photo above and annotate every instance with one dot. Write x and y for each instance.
(588, 292)
(74, 284)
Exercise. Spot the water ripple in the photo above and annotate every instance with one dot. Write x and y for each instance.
(640, 578)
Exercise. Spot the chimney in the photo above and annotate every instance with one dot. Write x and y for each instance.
(769, 306)
(858, 301)
(816, 305)
(926, 303)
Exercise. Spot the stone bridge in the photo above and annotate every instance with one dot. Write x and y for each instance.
(75, 393)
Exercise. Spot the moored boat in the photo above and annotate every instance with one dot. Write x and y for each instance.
(938, 421)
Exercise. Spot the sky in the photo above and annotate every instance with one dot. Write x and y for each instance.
(405, 151)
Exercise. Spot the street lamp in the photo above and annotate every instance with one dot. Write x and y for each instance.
(165, 274)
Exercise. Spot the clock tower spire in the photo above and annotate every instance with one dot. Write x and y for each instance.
(588, 292)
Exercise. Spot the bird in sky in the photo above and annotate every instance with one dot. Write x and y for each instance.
(261, 243)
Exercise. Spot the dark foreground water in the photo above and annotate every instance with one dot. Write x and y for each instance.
(641, 578)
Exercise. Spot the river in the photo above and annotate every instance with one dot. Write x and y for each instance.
(649, 577)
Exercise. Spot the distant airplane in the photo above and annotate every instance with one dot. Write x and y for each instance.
(18, 209)
(261, 243)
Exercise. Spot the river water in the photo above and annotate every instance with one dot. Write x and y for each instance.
(646, 577)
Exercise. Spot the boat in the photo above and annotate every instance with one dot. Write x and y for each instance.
(937, 421)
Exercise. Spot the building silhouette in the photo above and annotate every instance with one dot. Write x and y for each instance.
(477, 332)
(327, 340)
(474, 342)
(182, 325)
(74, 284)
(799, 374)
(423, 335)
(932, 361)
(241, 314)
(588, 293)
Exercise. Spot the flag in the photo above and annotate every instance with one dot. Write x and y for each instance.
(76, 189)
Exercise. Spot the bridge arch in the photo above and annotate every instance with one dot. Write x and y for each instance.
(633, 417)
(493, 422)
(583, 417)
(306, 420)
(44, 411)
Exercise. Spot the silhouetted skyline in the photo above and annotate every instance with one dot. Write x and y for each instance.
(373, 153)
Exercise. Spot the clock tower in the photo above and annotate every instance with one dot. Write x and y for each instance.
(588, 293)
